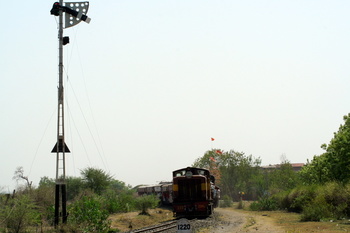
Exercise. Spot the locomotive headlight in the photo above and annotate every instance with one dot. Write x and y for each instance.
(188, 174)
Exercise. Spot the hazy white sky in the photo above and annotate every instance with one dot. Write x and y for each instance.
(148, 83)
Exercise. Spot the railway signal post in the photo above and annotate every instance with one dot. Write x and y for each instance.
(74, 13)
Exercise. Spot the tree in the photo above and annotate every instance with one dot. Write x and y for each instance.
(146, 202)
(211, 160)
(74, 186)
(316, 172)
(338, 152)
(119, 186)
(96, 179)
(19, 175)
(46, 181)
(237, 172)
(283, 178)
(334, 164)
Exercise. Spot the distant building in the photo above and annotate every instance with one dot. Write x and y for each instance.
(296, 166)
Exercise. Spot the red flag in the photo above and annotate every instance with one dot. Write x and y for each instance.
(219, 152)
(212, 139)
(212, 159)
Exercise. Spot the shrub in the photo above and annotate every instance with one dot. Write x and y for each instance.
(254, 206)
(316, 202)
(337, 196)
(347, 191)
(119, 202)
(146, 202)
(227, 202)
(266, 203)
(318, 209)
(281, 199)
(88, 215)
(43, 198)
(300, 197)
(19, 214)
(240, 205)
(313, 213)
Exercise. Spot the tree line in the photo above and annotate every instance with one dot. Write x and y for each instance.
(320, 190)
(91, 199)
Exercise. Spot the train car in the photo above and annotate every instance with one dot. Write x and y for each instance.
(142, 190)
(167, 193)
(163, 190)
(194, 192)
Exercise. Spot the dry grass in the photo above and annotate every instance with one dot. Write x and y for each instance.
(291, 223)
(124, 221)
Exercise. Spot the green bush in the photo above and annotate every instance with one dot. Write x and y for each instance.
(19, 214)
(338, 197)
(240, 205)
(119, 202)
(88, 215)
(282, 200)
(43, 197)
(146, 202)
(318, 209)
(254, 206)
(347, 191)
(299, 198)
(316, 202)
(226, 202)
(314, 213)
(266, 203)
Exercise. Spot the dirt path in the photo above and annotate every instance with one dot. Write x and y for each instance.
(229, 220)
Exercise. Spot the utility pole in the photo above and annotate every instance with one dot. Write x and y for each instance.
(75, 12)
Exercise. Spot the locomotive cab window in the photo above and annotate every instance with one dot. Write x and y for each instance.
(200, 172)
(178, 174)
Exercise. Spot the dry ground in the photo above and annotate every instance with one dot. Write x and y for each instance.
(227, 220)
(127, 221)
(277, 221)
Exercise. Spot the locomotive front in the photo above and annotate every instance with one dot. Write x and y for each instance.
(192, 192)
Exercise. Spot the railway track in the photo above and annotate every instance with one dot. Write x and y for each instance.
(164, 227)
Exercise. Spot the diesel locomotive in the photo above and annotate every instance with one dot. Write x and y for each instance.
(194, 192)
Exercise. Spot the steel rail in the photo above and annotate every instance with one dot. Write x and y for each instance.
(158, 228)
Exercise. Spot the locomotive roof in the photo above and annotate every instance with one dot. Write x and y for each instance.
(193, 170)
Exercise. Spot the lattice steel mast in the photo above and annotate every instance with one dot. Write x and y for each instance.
(75, 12)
